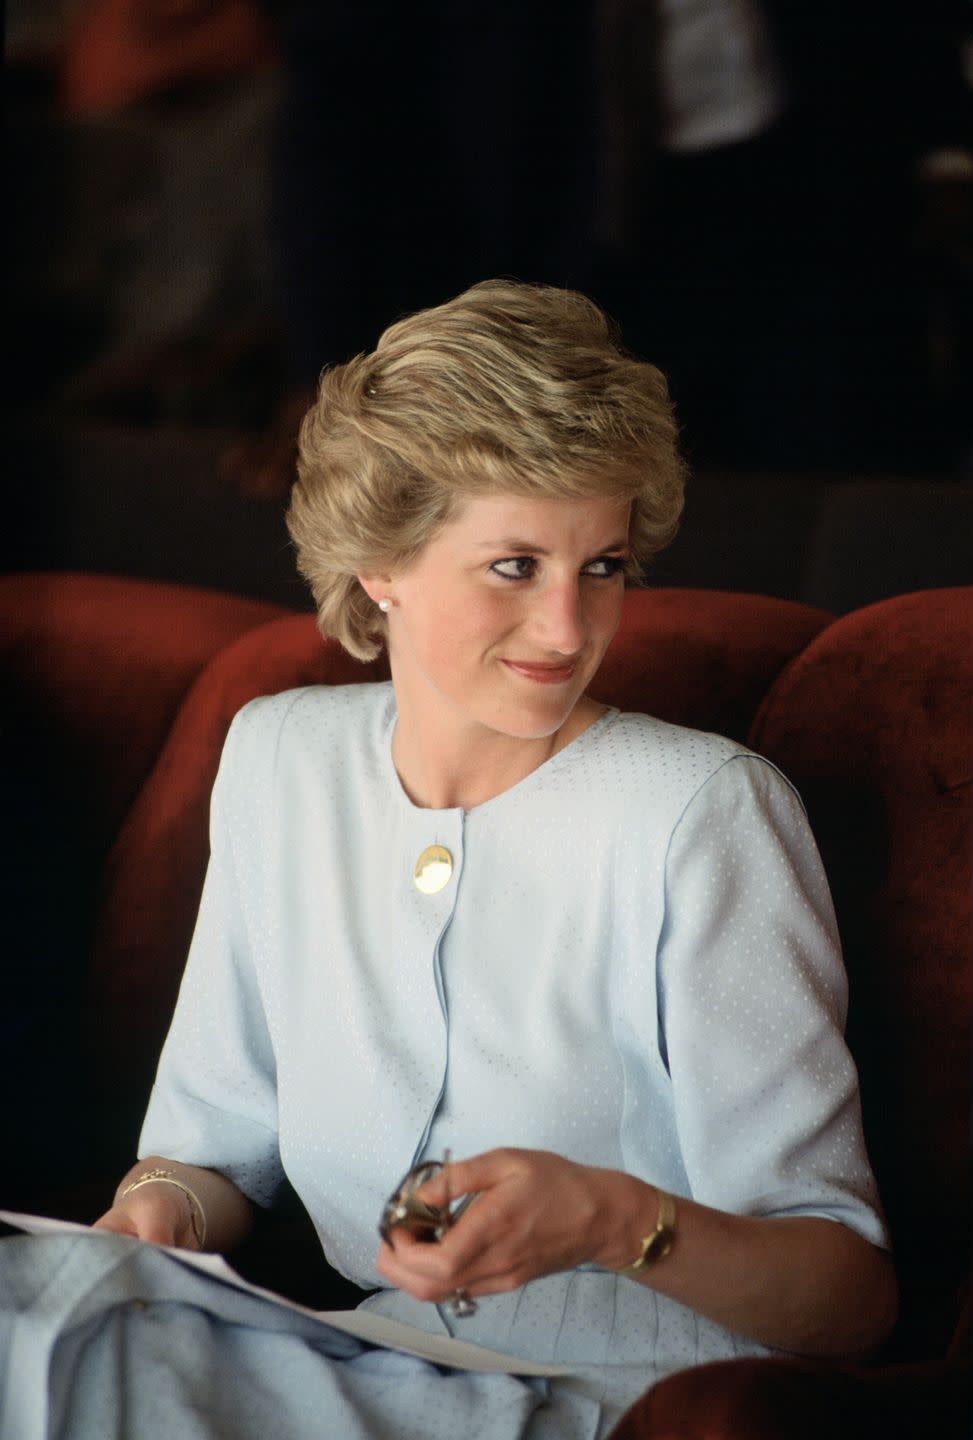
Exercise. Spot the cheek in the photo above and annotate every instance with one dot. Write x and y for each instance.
(606, 614)
(457, 635)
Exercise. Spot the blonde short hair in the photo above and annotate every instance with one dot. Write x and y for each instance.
(508, 389)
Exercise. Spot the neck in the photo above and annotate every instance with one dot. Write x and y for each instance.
(440, 770)
(444, 761)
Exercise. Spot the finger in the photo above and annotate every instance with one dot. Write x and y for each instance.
(409, 1269)
(396, 1268)
(464, 1257)
(500, 1242)
(416, 1256)
(415, 1266)
(119, 1222)
(142, 1224)
(479, 1172)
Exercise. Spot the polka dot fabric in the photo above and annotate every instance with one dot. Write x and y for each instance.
(634, 963)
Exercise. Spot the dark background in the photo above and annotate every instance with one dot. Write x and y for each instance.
(212, 199)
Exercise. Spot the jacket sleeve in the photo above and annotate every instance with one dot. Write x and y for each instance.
(214, 1101)
(753, 997)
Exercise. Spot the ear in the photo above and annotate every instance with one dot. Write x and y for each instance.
(374, 586)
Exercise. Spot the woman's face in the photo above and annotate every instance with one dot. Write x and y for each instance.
(506, 614)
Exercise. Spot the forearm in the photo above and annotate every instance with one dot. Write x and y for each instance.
(806, 1285)
(803, 1284)
(228, 1213)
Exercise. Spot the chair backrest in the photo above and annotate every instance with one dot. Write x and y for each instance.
(97, 668)
(873, 723)
(94, 671)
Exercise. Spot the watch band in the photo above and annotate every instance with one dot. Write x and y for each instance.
(659, 1241)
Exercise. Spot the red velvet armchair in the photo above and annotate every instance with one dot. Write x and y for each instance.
(120, 694)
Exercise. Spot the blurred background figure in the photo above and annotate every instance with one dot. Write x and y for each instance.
(767, 168)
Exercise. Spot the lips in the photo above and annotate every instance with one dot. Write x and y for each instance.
(542, 674)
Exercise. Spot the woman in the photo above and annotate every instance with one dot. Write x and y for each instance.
(591, 954)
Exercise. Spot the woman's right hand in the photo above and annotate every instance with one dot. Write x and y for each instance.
(195, 1208)
(158, 1213)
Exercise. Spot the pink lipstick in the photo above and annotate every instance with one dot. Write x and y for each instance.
(542, 674)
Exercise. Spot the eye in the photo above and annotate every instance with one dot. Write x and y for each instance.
(517, 567)
(605, 566)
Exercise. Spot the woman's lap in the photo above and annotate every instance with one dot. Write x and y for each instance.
(118, 1338)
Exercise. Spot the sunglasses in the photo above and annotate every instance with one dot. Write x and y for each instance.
(424, 1222)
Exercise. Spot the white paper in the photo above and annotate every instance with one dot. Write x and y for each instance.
(363, 1324)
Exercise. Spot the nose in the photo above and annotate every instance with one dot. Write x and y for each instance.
(558, 616)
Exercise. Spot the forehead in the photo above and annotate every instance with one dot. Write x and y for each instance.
(539, 521)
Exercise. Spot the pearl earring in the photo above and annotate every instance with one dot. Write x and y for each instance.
(385, 605)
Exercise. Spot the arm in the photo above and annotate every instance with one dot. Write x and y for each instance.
(214, 1101)
(802, 1284)
(764, 1098)
(162, 1213)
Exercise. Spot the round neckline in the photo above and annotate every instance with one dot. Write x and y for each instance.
(553, 762)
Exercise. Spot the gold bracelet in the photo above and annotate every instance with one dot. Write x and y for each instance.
(197, 1215)
(659, 1241)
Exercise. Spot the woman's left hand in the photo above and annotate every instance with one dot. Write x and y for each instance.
(534, 1213)
(800, 1283)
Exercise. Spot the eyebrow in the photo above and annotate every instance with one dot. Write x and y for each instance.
(513, 546)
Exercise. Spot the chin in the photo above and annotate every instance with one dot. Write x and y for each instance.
(537, 723)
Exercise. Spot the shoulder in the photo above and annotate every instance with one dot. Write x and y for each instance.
(673, 768)
(313, 718)
(660, 754)
(311, 706)
(696, 751)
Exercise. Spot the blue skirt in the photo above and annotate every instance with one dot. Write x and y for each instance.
(102, 1336)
